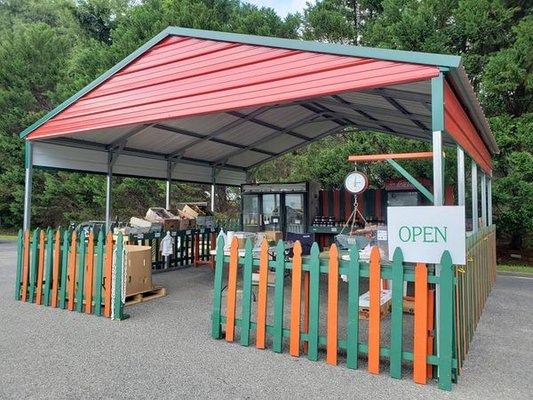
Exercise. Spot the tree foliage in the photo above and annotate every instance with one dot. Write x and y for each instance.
(49, 49)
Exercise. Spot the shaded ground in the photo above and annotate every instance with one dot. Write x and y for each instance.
(164, 351)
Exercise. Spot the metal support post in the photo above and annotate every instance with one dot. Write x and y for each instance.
(28, 184)
(484, 199)
(437, 123)
(169, 183)
(108, 198)
(475, 212)
(213, 181)
(460, 177)
(489, 201)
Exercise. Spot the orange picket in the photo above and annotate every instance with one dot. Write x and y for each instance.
(107, 274)
(72, 272)
(333, 299)
(374, 322)
(232, 290)
(296, 300)
(420, 324)
(262, 296)
(89, 258)
(40, 269)
(55, 268)
(431, 329)
(25, 265)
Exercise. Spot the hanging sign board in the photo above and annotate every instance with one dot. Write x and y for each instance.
(423, 233)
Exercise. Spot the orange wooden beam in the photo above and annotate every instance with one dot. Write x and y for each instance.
(395, 156)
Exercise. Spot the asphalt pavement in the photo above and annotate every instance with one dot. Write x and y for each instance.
(165, 351)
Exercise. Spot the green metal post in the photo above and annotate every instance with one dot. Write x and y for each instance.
(118, 305)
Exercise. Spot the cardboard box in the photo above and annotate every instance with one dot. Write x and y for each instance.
(138, 269)
(385, 304)
(273, 236)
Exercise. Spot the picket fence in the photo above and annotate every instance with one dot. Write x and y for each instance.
(190, 247)
(473, 285)
(431, 356)
(63, 270)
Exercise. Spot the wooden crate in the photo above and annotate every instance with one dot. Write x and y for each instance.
(385, 306)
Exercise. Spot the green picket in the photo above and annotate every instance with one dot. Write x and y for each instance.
(277, 332)
(99, 265)
(216, 327)
(118, 305)
(396, 315)
(34, 255)
(352, 329)
(314, 303)
(18, 272)
(64, 269)
(446, 322)
(49, 257)
(80, 273)
(246, 293)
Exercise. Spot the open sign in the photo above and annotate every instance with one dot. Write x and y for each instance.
(424, 233)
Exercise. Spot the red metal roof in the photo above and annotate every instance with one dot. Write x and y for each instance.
(460, 127)
(184, 76)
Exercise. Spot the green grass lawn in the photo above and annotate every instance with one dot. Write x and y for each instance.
(8, 237)
(525, 269)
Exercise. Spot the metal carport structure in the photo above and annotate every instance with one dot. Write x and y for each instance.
(204, 106)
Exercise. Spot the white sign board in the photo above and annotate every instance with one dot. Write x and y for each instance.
(424, 233)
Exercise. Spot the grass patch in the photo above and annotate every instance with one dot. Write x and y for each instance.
(8, 237)
(524, 269)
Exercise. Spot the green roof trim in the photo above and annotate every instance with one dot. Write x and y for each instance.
(414, 57)
(451, 62)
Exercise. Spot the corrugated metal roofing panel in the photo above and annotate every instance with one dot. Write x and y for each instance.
(181, 79)
(246, 133)
(313, 129)
(247, 158)
(158, 141)
(280, 143)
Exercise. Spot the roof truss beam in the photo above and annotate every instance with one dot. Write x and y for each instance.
(133, 152)
(185, 132)
(301, 122)
(212, 136)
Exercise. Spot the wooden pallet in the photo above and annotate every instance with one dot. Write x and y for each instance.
(154, 293)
